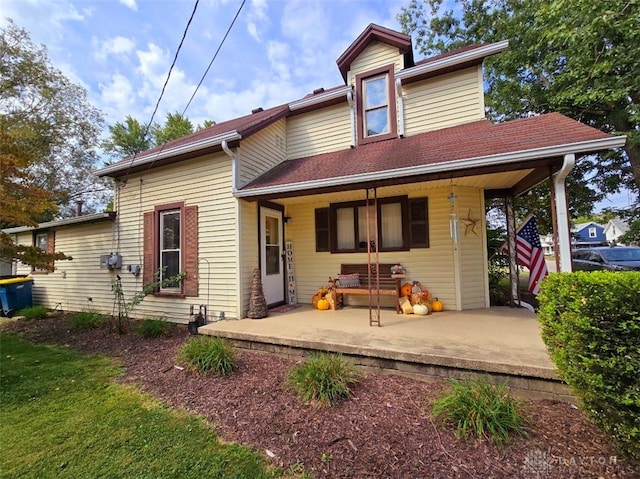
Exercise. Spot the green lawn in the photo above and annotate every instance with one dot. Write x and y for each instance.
(61, 415)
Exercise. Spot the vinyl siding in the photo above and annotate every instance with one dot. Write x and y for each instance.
(433, 266)
(319, 131)
(375, 55)
(73, 282)
(205, 182)
(443, 101)
(249, 254)
(262, 151)
(473, 264)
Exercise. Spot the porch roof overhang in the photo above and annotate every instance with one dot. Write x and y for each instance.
(479, 148)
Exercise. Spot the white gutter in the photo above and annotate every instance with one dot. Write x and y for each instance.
(171, 151)
(319, 98)
(524, 155)
(400, 107)
(352, 115)
(234, 165)
(453, 60)
(562, 213)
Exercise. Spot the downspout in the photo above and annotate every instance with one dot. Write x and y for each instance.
(352, 115)
(234, 183)
(562, 212)
(234, 165)
(400, 108)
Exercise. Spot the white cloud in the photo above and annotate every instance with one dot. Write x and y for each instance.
(130, 4)
(118, 98)
(256, 18)
(279, 55)
(116, 46)
(307, 22)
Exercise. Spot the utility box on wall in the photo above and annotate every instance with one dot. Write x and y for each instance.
(111, 261)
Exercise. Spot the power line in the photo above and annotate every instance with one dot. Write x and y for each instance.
(214, 57)
(175, 58)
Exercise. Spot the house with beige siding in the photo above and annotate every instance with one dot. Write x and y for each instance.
(398, 160)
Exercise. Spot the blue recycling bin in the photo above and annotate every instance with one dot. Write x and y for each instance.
(15, 294)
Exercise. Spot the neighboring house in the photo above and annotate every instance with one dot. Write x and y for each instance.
(615, 228)
(588, 234)
(410, 136)
(547, 244)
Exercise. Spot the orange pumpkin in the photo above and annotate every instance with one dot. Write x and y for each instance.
(406, 290)
(323, 304)
(436, 305)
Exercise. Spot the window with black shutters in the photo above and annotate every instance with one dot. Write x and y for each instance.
(419, 223)
(322, 229)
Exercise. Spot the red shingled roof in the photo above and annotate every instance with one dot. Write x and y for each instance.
(478, 139)
(245, 125)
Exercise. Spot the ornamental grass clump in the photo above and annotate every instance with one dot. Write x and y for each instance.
(154, 327)
(325, 378)
(209, 355)
(34, 312)
(86, 320)
(481, 409)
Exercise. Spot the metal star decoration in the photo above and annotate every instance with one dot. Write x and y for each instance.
(470, 224)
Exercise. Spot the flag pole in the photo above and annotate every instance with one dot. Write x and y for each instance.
(511, 241)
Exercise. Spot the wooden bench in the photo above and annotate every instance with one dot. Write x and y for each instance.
(388, 286)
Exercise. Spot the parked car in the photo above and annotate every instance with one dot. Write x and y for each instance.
(606, 258)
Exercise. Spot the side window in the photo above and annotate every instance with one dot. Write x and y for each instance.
(171, 247)
(46, 242)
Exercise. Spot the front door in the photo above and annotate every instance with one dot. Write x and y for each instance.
(271, 255)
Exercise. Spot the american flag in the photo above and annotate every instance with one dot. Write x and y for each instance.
(529, 253)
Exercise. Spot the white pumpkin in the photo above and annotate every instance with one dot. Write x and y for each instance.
(420, 309)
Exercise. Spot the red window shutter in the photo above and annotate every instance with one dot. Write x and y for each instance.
(148, 267)
(191, 250)
(51, 248)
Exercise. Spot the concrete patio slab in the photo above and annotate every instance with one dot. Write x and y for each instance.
(501, 342)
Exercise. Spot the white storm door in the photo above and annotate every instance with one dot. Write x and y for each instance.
(271, 254)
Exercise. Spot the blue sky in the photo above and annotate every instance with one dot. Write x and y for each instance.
(120, 50)
(278, 51)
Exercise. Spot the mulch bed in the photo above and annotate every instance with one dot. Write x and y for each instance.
(385, 431)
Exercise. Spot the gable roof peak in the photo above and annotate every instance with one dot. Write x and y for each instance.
(379, 34)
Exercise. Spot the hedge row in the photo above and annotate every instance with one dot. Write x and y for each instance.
(591, 326)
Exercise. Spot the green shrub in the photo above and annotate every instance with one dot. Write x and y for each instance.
(480, 408)
(209, 354)
(154, 327)
(86, 320)
(324, 377)
(591, 325)
(33, 312)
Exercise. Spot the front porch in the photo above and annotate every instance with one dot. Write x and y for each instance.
(502, 343)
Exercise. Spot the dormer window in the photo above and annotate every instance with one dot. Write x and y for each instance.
(376, 105)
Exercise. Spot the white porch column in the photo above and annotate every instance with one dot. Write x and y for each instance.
(562, 212)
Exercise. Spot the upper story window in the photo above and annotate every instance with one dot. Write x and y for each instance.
(592, 233)
(376, 105)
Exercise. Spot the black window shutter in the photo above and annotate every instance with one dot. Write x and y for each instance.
(322, 229)
(419, 222)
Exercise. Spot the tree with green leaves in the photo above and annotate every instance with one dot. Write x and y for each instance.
(131, 137)
(49, 134)
(576, 57)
